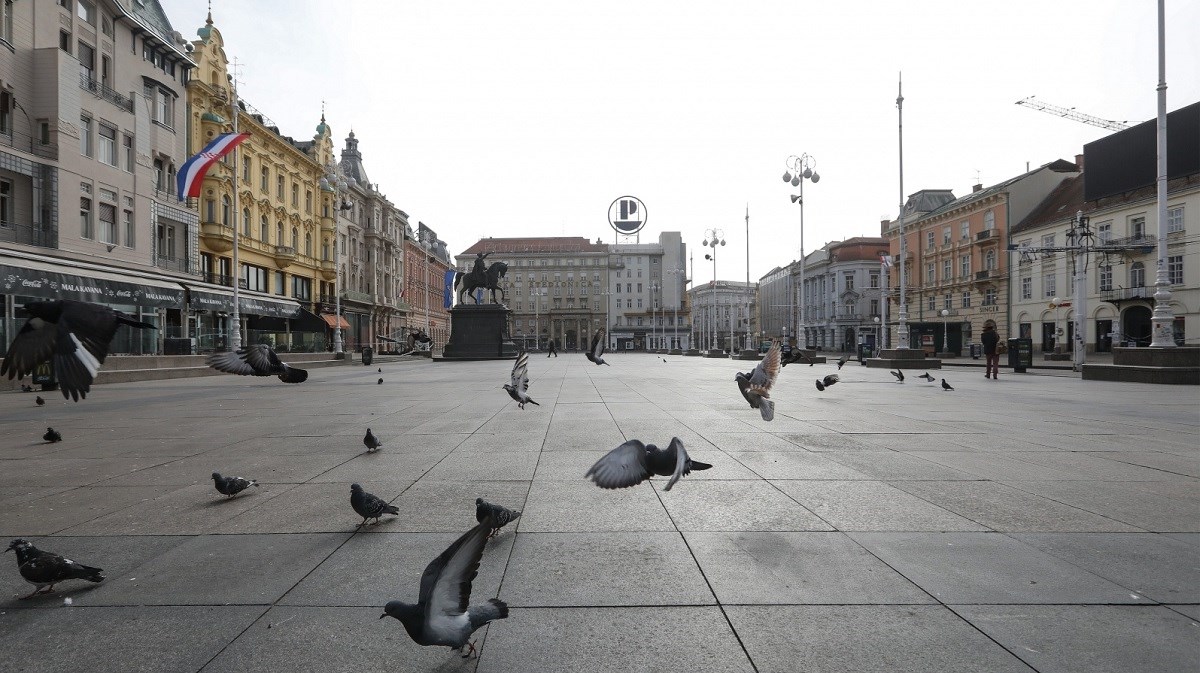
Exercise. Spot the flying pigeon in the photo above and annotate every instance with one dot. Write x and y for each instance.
(372, 442)
(634, 462)
(756, 386)
(946, 386)
(52, 436)
(899, 375)
(379, 382)
(796, 355)
(256, 360)
(443, 614)
(73, 335)
(843, 360)
(231, 486)
(44, 569)
(496, 516)
(829, 380)
(518, 389)
(597, 349)
(927, 377)
(369, 506)
(40, 401)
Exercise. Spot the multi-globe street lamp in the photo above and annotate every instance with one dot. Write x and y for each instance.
(713, 237)
(799, 170)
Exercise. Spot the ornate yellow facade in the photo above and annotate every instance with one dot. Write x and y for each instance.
(284, 213)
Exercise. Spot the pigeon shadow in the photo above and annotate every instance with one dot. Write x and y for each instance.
(42, 600)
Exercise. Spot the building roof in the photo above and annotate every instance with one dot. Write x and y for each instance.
(352, 163)
(1058, 166)
(1063, 201)
(550, 244)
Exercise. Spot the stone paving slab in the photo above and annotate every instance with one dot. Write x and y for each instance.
(875, 526)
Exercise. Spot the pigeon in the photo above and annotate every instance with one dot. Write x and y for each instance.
(379, 382)
(796, 355)
(44, 569)
(369, 506)
(946, 386)
(899, 375)
(634, 462)
(756, 386)
(663, 359)
(518, 389)
(231, 486)
(597, 349)
(496, 516)
(927, 377)
(443, 614)
(372, 442)
(843, 360)
(256, 360)
(26, 389)
(380, 370)
(40, 401)
(829, 380)
(52, 436)
(73, 335)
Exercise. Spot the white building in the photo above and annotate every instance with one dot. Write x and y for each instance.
(647, 289)
(722, 309)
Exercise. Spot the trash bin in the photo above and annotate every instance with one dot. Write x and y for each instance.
(367, 355)
(976, 351)
(1020, 354)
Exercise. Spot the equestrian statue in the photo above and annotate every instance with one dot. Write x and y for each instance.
(480, 277)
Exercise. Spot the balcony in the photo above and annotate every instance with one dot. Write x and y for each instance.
(361, 297)
(218, 237)
(987, 236)
(986, 274)
(172, 263)
(1143, 244)
(102, 91)
(1127, 294)
(284, 256)
(22, 142)
(328, 270)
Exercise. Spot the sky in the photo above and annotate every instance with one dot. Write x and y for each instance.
(504, 119)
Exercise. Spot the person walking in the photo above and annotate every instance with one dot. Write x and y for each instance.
(552, 349)
(991, 350)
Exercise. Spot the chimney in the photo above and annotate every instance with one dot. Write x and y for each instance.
(1079, 162)
(976, 188)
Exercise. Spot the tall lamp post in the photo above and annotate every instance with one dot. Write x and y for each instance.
(654, 290)
(713, 237)
(675, 307)
(877, 345)
(800, 169)
(336, 179)
(945, 334)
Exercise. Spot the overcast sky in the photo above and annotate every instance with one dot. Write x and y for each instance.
(528, 118)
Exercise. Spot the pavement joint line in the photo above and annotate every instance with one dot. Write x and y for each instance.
(1015, 486)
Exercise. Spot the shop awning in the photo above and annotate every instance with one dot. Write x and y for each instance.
(41, 276)
(333, 320)
(206, 297)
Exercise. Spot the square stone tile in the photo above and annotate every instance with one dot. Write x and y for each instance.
(53, 513)
(57, 472)
(433, 506)
(496, 466)
(872, 506)
(740, 442)
(829, 441)
(994, 466)
(989, 568)
(1165, 506)
(865, 639)
(119, 638)
(311, 508)
(387, 464)
(737, 506)
(1093, 638)
(581, 506)
(1156, 566)
(794, 465)
(220, 570)
(191, 510)
(615, 569)
(696, 638)
(886, 464)
(199, 469)
(1004, 508)
(797, 568)
(585, 435)
(1158, 460)
(525, 438)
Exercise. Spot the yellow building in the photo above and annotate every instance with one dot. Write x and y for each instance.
(283, 212)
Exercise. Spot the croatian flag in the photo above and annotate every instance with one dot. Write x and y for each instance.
(191, 174)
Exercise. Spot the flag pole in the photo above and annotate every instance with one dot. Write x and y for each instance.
(235, 340)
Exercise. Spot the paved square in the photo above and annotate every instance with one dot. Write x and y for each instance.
(1037, 522)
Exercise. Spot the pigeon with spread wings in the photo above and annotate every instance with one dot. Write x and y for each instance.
(443, 614)
(518, 388)
(597, 349)
(256, 360)
(634, 462)
(756, 386)
(73, 335)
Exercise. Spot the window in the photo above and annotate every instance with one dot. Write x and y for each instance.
(246, 222)
(280, 285)
(6, 203)
(639, 303)
(265, 182)
(279, 236)
(279, 187)
(86, 54)
(1137, 226)
(640, 321)
(246, 169)
(166, 243)
(6, 20)
(308, 200)
(964, 230)
(85, 218)
(989, 297)
(127, 222)
(1137, 275)
(930, 273)
(1049, 285)
(86, 11)
(1174, 219)
(295, 239)
(989, 220)
(85, 136)
(127, 147)
(64, 41)
(210, 210)
(1104, 232)
(264, 229)
(964, 266)
(254, 277)
(158, 177)
(1106, 278)
(1175, 269)
(1048, 241)
(226, 211)
(966, 299)
(1027, 287)
(108, 144)
(932, 302)
(947, 269)
(301, 288)
(639, 285)
(989, 260)
(948, 301)
(628, 303)
(308, 244)
(295, 194)
(873, 279)
(946, 236)
(618, 288)
(848, 280)
(929, 239)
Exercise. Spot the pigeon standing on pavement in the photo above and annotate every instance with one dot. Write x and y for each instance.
(634, 462)
(597, 349)
(52, 436)
(946, 386)
(899, 374)
(379, 382)
(443, 614)
(927, 377)
(829, 380)
(73, 335)
(44, 569)
(496, 516)
(40, 401)
(256, 360)
(231, 486)
(371, 442)
(518, 385)
(369, 506)
(842, 361)
(756, 386)
(380, 370)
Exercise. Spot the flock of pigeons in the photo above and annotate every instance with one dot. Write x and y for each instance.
(74, 337)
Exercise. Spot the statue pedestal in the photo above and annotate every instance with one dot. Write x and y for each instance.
(479, 332)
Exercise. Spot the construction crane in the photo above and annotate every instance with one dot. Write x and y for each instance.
(1070, 113)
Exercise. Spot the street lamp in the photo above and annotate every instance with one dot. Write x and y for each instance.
(800, 169)
(336, 180)
(711, 238)
(877, 346)
(675, 321)
(945, 334)
(1055, 301)
(538, 293)
(654, 289)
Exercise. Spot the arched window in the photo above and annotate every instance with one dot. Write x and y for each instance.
(989, 220)
(295, 238)
(279, 233)
(226, 207)
(989, 260)
(265, 184)
(1137, 275)
(308, 244)
(264, 229)
(210, 210)
(246, 222)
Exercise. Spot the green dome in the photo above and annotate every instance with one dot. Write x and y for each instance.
(322, 128)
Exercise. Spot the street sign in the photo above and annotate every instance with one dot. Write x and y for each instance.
(627, 215)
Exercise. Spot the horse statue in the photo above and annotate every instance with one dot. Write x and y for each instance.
(479, 278)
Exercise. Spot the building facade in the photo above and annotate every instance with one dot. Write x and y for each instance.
(648, 289)
(426, 261)
(855, 292)
(776, 302)
(721, 314)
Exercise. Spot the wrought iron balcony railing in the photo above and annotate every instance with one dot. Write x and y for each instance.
(24, 142)
(100, 90)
